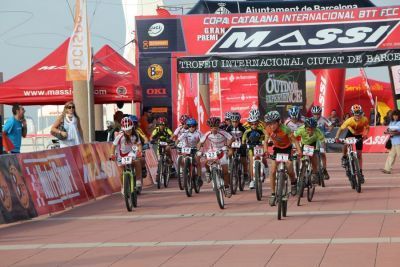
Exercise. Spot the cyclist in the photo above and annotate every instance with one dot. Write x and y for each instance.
(311, 135)
(123, 144)
(181, 128)
(162, 133)
(294, 121)
(282, 139)
(143, 139)
(325, 126)
(227, 121)
(358, 127)
(237, 130)
(252, 137)
(191, 138)
(217, 139)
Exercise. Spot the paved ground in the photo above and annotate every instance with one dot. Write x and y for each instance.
(339, 228)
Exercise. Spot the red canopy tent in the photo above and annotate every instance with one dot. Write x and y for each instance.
(45, 83)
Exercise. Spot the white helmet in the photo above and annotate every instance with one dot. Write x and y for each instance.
(254, 114)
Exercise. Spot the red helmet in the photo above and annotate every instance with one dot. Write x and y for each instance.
(184, 118)
(126, 124)
(162, 120)
(214, 122)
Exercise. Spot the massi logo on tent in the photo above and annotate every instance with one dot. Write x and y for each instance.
(156, 29)
(304, 38)
(222, 9)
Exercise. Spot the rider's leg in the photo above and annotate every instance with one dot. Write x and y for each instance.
(272, 177)
(314, 165)
(138, 170)
(292, 176)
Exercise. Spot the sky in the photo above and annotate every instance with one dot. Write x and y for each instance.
(31, 29)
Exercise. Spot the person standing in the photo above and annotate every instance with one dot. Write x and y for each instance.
(71, 130)
(144, 121)
(334, 118)
(394, 132)
(15, 127)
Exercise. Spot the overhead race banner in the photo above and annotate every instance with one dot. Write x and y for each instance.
(227, 7)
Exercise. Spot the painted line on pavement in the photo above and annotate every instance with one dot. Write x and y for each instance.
(226, 214)
(359, 240)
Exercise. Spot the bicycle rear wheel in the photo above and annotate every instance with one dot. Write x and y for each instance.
(187, 178)
(127, 191)
(179, 172)
(257, 180)
(134, 193)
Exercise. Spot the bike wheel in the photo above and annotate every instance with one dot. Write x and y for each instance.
(279, 193)
(134, 193)
(234, 177)
(187, 178)
(284, 208)
(139, 188)
(127, 191)
(321, 180)
(159, 173)
(357, 175)
(257, 180)
(195, 180)
(241, 181)
(167, 174)
(301, 184)
(219, 191)
(310, 189)
(179, 173)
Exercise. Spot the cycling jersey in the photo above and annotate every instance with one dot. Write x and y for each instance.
(293, 125)
(166, 134)
(190, 139)
(260, 125)
(216, 141)
(245, 138)
(236, 132)
(141, 134)
(356, 127)
(124, 147)
(224, 126)
(323, 124)
(306, 139)
(180, 130)
(281, 137)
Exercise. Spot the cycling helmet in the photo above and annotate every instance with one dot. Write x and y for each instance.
(162, 120)
(356, 110)
(272, 116)
(316, 110)
(294, 112)
(311, 123)
(235, 116)
(251, 119)
(254, 137)
(255, 113)
(191, 122)
(126, 124)
(228, 115)
(134, 118)
(184, 118)
(213, 122)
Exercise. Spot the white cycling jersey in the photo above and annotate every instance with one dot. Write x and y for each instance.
(293, 125)
(123, 147)
(190, 139)
(216, 141)
(323, 124)
(180, 130)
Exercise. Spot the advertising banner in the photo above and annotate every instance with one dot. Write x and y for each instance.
(227, 7)
(396, 79)
(277, 90)
(215, 95)
(155, 79)
(16, 202)
(53, 179)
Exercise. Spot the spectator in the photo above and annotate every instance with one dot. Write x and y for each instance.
(15, 127)
(394, 131)
(387, 118)
(68, 125)
(110, 131)
(346, 116)
(334, 118)
(144, 121)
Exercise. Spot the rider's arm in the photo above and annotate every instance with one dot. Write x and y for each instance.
(154, 135)
(295, 142)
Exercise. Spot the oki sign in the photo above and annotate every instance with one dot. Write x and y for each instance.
(156, 92)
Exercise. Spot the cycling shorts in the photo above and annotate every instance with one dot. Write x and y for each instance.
(286, 150)
(359, 143)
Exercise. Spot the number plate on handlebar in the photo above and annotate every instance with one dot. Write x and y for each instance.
(308, 150)
(163, 143)
(282, 157)
(186, 150)
(212, 155)
(180, 145)
(126, 160)
(258, 151)
(350, 140)
(236, 144)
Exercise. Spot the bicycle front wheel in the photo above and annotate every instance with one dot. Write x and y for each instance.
(234, 176)
(279, 193)
(127, 191)
(160, 172)
(219, 191)
(257, 180)
(187, 178)
(357, 175)
(180, 173)
(301, 183)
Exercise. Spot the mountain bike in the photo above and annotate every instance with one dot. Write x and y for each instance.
(352, 165)
(282, 186)
(236, 168)
(179, 165)
(213, 161)
(129, 180)
(258, 168)
(304, 178)
(190, 177)
(164, 168)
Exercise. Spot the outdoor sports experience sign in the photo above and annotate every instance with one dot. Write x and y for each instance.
(251, 41)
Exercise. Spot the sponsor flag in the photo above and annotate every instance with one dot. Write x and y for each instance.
(79, 51)
(365, 84)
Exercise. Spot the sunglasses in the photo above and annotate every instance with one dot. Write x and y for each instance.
(254, 123)
(192, 126)
(70, 107)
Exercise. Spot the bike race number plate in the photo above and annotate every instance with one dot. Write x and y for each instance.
(180, 145)
(211, 155)
(163, 143)
(350, 140)
(126, 160)
(236, 144)
(186, 150)
(280, 157)
(258, 151)
(308, 150)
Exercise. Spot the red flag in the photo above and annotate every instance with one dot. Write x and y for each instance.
(366, 86)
